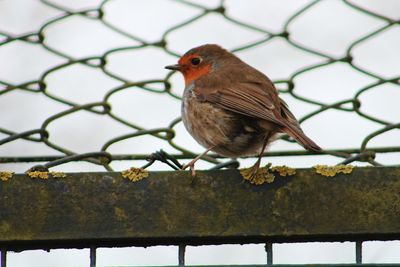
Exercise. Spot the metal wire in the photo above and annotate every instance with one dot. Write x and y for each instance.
(40, 134)
(181, 255)
(269, 251)
(93, 256)
(3, 260)
(359, 252)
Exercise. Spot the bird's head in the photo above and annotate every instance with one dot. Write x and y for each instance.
(200, 61)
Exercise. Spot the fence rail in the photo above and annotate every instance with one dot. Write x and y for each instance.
(169, 208)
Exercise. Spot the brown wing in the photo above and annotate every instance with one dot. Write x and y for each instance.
(294, 130)
(257, 100)
(247, 98)
(288, 115)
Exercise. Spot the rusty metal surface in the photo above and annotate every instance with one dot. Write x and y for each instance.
(104, 209)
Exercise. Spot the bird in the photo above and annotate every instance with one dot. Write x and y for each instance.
(231, 108)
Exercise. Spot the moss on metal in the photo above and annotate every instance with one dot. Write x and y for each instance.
(5, 176)
(284, 170)
(135, 174)
(330, 171)
(217, 206)
(265, 174)
(262, 176)
(58, 174)
(38, 175)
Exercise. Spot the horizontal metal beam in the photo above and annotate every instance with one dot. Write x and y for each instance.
(105, 209)
(391, 149)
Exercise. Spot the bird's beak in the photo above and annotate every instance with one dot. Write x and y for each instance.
(173, 67)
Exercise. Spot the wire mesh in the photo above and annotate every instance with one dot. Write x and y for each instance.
(39, 86)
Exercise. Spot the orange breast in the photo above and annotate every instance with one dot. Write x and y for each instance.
(193, 74)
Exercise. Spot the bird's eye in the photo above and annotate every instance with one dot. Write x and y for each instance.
(195, 61)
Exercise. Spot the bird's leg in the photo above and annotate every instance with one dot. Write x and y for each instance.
(193, 161)
(256, 166)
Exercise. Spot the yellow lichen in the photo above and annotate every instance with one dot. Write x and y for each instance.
(135, 174)
(284, 170)
(331, 171)
(58, 174)
(38, 175)
(120, 213)
(5, 176)
(262, 176)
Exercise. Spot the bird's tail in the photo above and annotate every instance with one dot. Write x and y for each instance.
(301, 138)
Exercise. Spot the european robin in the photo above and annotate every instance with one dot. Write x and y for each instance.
(230, 107)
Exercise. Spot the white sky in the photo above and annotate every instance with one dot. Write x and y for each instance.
(329, 27)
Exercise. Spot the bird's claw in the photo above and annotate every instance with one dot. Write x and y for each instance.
(191, 167)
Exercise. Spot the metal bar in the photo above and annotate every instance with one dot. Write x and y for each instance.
(217, 207)
(268, 249)
(92, 256)
(5, 159)
(3, 257)
(181, 256)
(358, 252)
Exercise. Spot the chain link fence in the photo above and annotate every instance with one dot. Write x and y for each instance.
(39, 86)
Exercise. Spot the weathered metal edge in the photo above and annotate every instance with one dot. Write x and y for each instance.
(104, 209)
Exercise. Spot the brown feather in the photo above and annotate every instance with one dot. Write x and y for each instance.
(293, 129)
(239, 100)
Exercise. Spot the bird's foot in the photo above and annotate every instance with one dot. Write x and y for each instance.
(254, 170)
(193, 161)
(190, 165)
